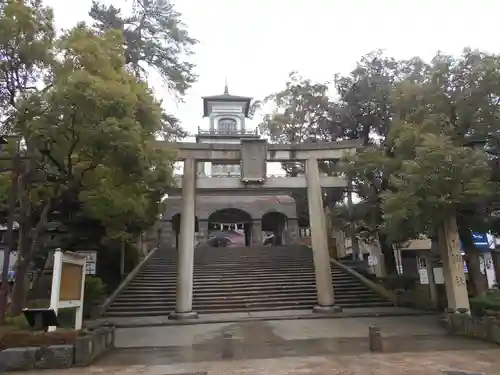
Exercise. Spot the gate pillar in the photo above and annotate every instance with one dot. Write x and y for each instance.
(185, 263)
(326, 302)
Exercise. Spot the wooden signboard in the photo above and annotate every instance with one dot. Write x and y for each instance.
(71, 282)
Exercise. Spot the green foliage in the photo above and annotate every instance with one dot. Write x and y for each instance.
(397, 282)
(26, 37)
(89, 124)
(156, 40)
(481, 305)
(154, 36)
(132, 257)
(17, 322)
(434, 179)
(97, 132)
(95, 291)
(419, 122)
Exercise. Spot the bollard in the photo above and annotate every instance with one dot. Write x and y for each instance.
(227, 346)
(375, 339)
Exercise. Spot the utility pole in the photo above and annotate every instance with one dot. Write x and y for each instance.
(10, 239)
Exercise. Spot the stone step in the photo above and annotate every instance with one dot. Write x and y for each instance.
(260, 288)
(261, 271)
(214, 293)
(223, 299)
(168, 311)
(213, 300)
(220, 277)
(232, 305)
(298, 306)
(198, 297)
(238, 280)
(248, 289)
(232, 267)
(242, 276)
(215, 270)
(229, 284)
(234, 277)
(241, 258)
(207, 283)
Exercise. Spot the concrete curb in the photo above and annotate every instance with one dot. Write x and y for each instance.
(340, 315)
(377, 288)
(125, 282)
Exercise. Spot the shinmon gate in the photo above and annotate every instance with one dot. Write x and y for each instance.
(253, 155)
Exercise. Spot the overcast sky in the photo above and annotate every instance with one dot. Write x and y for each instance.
(257, 43)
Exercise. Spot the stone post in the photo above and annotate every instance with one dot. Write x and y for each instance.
(375, 339)
(256, 237)
(184, 293)
(203, 232)
(453, 266)
(319, 240)
(339, 237)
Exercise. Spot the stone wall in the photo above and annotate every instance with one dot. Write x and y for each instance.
(486, 328)
(86, 349)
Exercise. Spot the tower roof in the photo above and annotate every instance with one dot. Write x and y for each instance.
(226, 97)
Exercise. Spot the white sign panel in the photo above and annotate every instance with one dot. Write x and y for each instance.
(424, 277)
(60, 258)
(91, 261)
(372, 260)
(438, 275)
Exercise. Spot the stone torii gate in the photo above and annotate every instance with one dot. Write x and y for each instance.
(253, 155)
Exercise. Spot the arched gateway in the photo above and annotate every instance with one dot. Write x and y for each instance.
(230, 227)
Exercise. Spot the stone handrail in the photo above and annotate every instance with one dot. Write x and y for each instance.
(125, 282)
(377, 288)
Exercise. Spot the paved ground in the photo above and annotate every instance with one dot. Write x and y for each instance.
(258, 315)
(412, 345)
(276, 331)
(483, 361)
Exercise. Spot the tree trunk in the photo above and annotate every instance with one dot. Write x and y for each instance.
(476, 278)
(474, 268)
(29, 242)
(389, 257)
(20, 290)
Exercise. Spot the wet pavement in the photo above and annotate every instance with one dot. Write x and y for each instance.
(274, 331)
(308, 314)
(412, 345)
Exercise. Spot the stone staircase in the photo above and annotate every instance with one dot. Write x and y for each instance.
(238, 280)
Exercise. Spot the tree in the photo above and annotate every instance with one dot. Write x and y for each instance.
(458, 96)
(155, 39)
(90, 139)
(367, 113)
(26, 38)
(434, 180)
(301, 112)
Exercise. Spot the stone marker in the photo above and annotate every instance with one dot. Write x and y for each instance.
(227, 346)
(375, 339)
